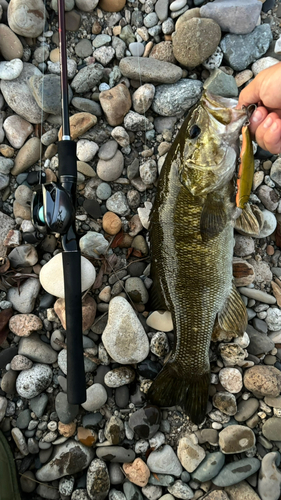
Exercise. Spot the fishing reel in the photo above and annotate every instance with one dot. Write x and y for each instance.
(52, 209)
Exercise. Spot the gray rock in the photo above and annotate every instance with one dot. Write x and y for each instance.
(181, 490)
(54, 67)
(246, 409)
(23, 256)
(23, 419)
(87, 78)
(24, 300)
(6, 164)
(164, 461)
(272, 429)
(18, 95)
(98, 483)
(244, 245)
(117, 203)
(241, 50)
(275, 172)
(46, 91)
(101, 40)
(124, 337)
(6, 223)
(269, 224)
(65, 411)
(104, 55)
(260, 325)
(4, 181)
(259, 343)
(268, 197)
(273, 319)
(38, 351)
(31, 382)
(163, 479)
(269, 483)
(3, 407)
(236, 439)
(69, 458)
(87, 105)
(116, 454)
(38, 404)
(170, 100)
(134, 121)
(89, 365)
(96, 397)
(235, 472)
(219, 83)
(119, 47)
(84, 48)
(150, 70)
(110, 170)
(93, 244)
(239, 16)
(131, 491)
(161, 9)
(108, 150)
(210, 467)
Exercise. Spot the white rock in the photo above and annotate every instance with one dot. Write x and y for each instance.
(177, 5)
(10, 69)
(32, 382)
(273, 319)
(259, 295)
(190, 453)
(86, 150)
(142, 98)
(144, 213)
(269, 224)
(161, 321)
(17, 130)
(96, 397)
(263, 63)
(124, 337)
(164, 461)
(242, 341)
(121, 136)
(51, 275)
(68, 458)
(86, 5)
(23, 300)
(231, 380)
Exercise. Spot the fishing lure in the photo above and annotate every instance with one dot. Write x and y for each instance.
(246, 163)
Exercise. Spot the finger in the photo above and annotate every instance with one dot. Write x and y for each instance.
(257, 118)
(268, 134)
(250, 94)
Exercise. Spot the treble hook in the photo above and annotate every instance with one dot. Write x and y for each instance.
(250, 109)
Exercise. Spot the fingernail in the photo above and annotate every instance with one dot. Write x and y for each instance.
(273, 127)
(268, 122)
(257, 116)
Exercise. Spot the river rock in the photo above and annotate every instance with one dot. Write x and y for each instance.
(236, 439)
(143, 97)
(46, 91)
(23, 300)
(111, 170)
(32, 382)
(116, 103)
(209, 467)
(235, 472)
(86, 5)
(170, 100)
(23, 256)
(51, 275)
(246, 409)
(124, 337)
(190, 453)
(164, 461)
(195, 40)
(27, 17)
(258, 343)
(35, 349)
(241, 491)
(115, 454)
(273, 319)
(269, 483)
(10, 45)
(231, 380)
(27, 156)
(9, 70)
(63, 464)
(239, 17)
(18, 95)
(96, 397)
(112, 5)
(87, 78)
(17, 130)
(241, 50)
(272, 429)
(150, 70)
(98, 482)
(263, 380)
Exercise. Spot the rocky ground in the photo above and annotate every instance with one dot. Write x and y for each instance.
(134, 68)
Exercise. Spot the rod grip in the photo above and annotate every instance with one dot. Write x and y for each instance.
(67, 158)
(76, 383)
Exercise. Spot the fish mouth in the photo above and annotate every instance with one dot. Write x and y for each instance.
(223, 110)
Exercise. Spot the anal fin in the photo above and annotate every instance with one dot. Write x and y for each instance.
(233, 316)
(171, 387)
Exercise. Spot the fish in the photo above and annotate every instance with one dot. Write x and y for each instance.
(191, 238)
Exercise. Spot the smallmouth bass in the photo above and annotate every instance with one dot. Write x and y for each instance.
(191, 235)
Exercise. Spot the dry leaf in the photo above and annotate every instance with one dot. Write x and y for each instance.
(5, 316)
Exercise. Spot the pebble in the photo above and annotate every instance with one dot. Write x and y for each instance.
(231, 380)
(170, 100)
(235, 472)
(86, 150)
(20, 363)
(111, 169)
(98, 483)
(35, 349)
(241, 50)
(24, 324)
(239, 17)
(259, 295)
(38, 404)
(116, 454)
(66, 412)
(161, 321)
(263, 63)
(93, 244)
(225, 402)
(119, 376)
(164, 461)
(263, 380)
(181, 490)
(245, 409)
(17, 130)
(137, 472)
(87, 78)
(24, 301)
(143, 97)
(115, 103)
(145, 422)
(9, 70)
(27, 18)
(96, 397)
(108, 150)
(150, 70)
(269, 483)
(271, 429)
(190, 453)
(273, 319)
(32, 382)
(10, 45)
(124, 337)
(241, 491)
(19, 439)
(236, 439)
(209, 467)
(62, 463)
(51, 275)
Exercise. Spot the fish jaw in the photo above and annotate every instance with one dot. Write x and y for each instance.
(209, 159)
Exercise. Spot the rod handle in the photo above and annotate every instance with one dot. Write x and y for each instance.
(67, 158)
(76, 383)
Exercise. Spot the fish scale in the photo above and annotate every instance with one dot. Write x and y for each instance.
(192, 277)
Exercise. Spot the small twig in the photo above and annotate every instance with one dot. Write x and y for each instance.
(86, 354)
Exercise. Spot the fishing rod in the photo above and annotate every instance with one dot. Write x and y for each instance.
(53, 210)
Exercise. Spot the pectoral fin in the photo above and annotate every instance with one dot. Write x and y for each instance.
(233, 316)
(250, 221)
(213, 218)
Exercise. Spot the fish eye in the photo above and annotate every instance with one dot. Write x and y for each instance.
(194, 131)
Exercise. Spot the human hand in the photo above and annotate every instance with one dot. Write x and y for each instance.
(265, 123)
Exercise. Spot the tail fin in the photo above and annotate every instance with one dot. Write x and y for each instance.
(190, 391)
